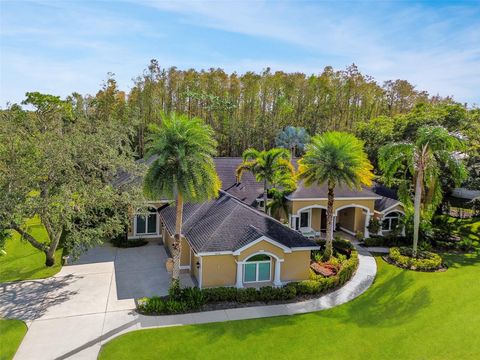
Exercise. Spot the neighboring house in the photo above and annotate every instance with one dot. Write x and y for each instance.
(228, 243)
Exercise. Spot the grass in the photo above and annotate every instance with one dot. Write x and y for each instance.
(11, 335)
(404, 315)
(23, 261)
(467, 227)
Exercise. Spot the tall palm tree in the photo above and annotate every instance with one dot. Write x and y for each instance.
(433, 149)
(270, 167)
(184, 169)
(335, 158)
(292, 138)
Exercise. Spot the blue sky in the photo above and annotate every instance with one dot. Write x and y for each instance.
(63, 46)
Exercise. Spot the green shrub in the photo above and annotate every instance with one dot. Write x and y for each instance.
(192, 298)
(123, 242)
(425, 260)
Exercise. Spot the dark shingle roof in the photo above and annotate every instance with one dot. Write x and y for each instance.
(385, 203)
(227, 224)
(320, 192)
(247, 190)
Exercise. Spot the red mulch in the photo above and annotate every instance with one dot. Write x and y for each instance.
(326, 270)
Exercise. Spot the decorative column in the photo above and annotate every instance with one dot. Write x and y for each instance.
(239, 283)
(366, 233)
(276, 279)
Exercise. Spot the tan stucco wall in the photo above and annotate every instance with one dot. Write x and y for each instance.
(194, 270)
(360, 218)
(185, 257)
(218, 270)
(261, 246)
(295, 266)
(316, 218)
(299, 204)
(346, 218)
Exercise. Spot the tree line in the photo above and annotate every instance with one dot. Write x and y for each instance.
(248, 110)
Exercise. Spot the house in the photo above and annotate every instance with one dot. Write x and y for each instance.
(230, 242)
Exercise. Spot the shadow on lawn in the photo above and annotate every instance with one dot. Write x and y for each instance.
(390, 303)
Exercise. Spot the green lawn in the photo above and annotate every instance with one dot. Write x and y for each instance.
(23, 261)
(11, 334)
(467, 227)
(404, 315)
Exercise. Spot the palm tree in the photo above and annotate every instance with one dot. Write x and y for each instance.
(292, 138)
(270, 167)
(433, 148)
(184, 168)
(335, 158)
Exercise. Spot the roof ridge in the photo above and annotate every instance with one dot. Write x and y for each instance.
(240, 202)
(220, 225)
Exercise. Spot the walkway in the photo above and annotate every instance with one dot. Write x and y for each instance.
(81, 336)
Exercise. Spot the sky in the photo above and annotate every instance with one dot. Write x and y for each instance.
(59, 47)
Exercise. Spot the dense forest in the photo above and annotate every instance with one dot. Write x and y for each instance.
(248, 110)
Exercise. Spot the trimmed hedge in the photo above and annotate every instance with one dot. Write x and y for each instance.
(425, 260)
(123, 242)
(192, 299)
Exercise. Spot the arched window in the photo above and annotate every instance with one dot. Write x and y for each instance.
(257, 268)
(391, 221)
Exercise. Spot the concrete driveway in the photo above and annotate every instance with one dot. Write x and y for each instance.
(68, 313)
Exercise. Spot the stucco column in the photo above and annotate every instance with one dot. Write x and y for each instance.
(366, 233)
(239, 283)
(276, 279)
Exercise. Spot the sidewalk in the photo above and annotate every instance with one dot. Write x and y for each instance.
(80, 337)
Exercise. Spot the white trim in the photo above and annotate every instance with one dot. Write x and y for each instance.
(146, 236)
(263, 238)
(352, 205)
(347, 231)
(200, 272)
(392, 211)
(385, 211)
(269, 262)
(309, 212)
(306, 248)
(215, 253)
(336, 198)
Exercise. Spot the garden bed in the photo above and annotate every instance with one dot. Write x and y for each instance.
(425, 261)
(194, 299)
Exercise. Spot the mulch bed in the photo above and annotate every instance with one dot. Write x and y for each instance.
(326, 270)
(391, 262)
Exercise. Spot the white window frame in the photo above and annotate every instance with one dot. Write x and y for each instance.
(256, 270)
(309, 213)
(388, 219)
(146, 215)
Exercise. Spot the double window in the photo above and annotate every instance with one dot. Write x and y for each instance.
(146, 224)
(391, 221)
(257, 269)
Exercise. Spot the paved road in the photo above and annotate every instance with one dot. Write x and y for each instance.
(88, 304)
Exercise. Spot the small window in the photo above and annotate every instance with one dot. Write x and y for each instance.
(260, 257)
(146, 225)
(257, 268)
(391, 221)
(304, 219)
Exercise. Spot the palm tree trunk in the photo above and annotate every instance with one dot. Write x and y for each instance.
(416, 206)
(265, 195)
(177, 242)
(328, 246)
